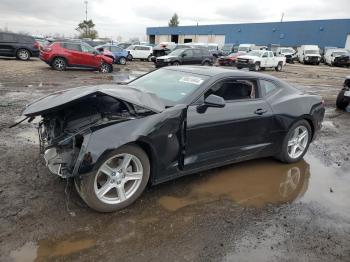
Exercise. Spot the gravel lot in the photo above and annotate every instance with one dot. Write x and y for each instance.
(259, 210)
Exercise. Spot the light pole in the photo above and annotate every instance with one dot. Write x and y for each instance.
(86, 6)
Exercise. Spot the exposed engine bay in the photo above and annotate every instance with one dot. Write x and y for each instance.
(63, 130)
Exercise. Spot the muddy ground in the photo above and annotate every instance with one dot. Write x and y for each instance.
(259, 210)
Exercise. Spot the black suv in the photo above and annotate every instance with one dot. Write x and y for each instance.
(16, 45)
(185, 56)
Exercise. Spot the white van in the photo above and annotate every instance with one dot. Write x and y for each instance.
(140, 52)
(331, 54)
(309, 54)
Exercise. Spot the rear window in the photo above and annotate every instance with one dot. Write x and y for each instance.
(267, 87)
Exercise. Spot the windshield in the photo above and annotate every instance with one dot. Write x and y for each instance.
(339, 53)
(312, 52)
(169, 85)
(227, 47)
(287, 50)
(176, 52)
(255, 53)
(243, 48)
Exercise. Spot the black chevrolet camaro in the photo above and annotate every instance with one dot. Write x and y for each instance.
(115, 139)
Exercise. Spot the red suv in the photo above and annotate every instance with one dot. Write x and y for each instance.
(60, 55)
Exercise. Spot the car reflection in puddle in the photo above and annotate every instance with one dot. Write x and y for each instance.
(252, 184)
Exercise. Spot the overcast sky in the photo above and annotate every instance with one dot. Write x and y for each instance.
(129, 18)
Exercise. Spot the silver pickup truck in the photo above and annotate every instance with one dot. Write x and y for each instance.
(258, 59)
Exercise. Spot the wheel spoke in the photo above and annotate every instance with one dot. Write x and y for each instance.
(104, 189)
(296, 133)
(291, 142)
(294, 150)
(302, 135)
(121, 192)
(126, 162)
(133, 176)
(106, 169)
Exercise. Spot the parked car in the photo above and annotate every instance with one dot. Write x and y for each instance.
(227, 49)
(142, 52)
(114, 140)
(60, 55)
(288, 52)
(23, 47)
(343, 98)
(120, 55)
(124, 45)
(337, 57)
(230, 60)
(309, 54)
(185, 56)
(260, 59)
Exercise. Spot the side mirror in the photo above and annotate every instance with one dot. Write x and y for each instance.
(214, 101)
(184, 54)
(211, 101)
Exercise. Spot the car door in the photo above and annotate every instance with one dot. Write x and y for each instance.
(88, 56)
(136, 53)
(7, 44)
(271, 60)
(187, 57)
(264, 59)
(72, 53)
(197, 56)
(240, 129)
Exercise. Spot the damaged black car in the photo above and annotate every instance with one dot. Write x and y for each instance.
(114, 140)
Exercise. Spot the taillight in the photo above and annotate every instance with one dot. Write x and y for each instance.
(36, 45)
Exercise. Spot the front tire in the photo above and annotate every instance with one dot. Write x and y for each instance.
(130, 57)
(23, 54)
(257, 67)
(119, 179)
(296, 142)
(106, 68)
(122, 61)
(342, 102)
(176, 63)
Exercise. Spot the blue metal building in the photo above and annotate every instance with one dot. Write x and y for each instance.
(323, 33)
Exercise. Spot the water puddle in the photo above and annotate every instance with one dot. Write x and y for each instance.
(254, 184)
(262, 182)
(45, 249)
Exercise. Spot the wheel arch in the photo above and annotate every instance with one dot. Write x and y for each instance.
(23, 47)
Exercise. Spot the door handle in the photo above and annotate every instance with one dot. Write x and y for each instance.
(260, 111)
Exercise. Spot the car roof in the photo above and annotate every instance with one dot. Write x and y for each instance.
(218, 71)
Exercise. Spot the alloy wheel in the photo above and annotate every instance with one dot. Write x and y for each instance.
(59, 64)
(104, 68)
(122, 61)
(118, 178)
(23, 54)
(298, 142)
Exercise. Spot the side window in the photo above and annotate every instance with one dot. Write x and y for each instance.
(188, 53)
(267, 87)
(8, 38)
(87, 48)
(197, 52)
(115, 49)
(137, 48)
(265, 54)
(270, 54)
(74, 47)
(231, 90)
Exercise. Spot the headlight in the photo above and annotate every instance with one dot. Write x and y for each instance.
(251, 61)
(307, 58)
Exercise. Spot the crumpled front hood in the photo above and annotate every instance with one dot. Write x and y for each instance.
(128, 94)
(166, 57)
(248, 57)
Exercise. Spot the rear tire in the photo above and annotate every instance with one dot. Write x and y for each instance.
(279, 67)
(341, 102)
(114, 191)
(23, 54)
(295, 142)
(59, 64)
(257, 67)
(130, 57)
(207, 63)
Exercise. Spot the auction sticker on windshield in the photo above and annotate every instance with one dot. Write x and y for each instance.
(191, 80)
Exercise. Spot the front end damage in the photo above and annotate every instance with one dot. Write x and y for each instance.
(65, 129)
